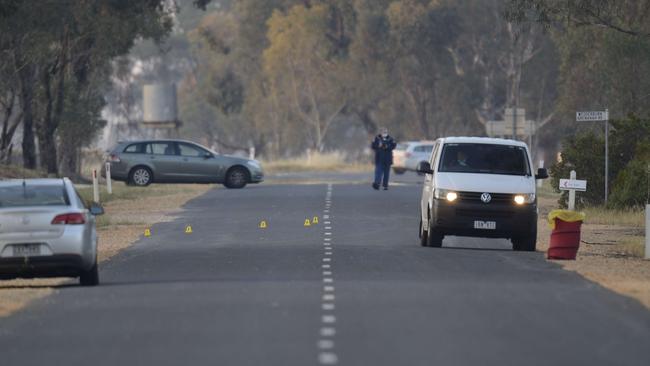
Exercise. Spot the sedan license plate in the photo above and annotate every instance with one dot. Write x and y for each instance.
(485, 225)
(26, 250)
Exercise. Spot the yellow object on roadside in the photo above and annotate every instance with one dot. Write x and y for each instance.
(315, 220)
(147, 233)
(188, 229)
(307, 223)
(263, 224)
(564, 215)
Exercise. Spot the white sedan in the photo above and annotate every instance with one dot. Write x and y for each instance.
(46, 230)
(407, 155)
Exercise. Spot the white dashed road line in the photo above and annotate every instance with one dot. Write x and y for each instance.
(326, 342)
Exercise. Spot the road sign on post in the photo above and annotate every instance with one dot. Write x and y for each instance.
(591, 116)
(599, 116)
(515, 120)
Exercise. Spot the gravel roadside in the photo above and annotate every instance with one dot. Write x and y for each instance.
(604, 255)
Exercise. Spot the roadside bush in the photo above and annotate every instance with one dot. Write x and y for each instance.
(583, 153)
(629, 157)
(632, 185)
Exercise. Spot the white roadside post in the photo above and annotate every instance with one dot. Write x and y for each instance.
(572, 192)
(598, 116)
(572, 185)
(251, 153)
(539, 181)
(109, 184)
(95, 186)
(647, 231)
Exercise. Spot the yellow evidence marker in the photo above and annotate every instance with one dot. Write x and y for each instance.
(147, 233)
(307, 223)
(263, 224)
(314, 221)
(188, 229)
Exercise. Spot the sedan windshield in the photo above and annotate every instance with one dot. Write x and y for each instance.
(33, 196)
(484, 158)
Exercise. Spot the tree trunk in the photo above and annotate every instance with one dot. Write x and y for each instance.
(46, 130)
(26, 77)
(9, 125)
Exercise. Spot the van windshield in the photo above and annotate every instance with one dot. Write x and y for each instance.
(485, 159)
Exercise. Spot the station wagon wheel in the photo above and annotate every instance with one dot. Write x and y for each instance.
(236, 177)
(141, 176)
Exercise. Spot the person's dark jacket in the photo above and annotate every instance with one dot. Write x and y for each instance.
(383, 149)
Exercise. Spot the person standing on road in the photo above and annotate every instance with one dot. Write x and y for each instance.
(383, 146)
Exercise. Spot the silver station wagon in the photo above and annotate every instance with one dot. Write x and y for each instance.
(141, 163)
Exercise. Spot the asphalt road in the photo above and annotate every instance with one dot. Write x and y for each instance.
(354, 289)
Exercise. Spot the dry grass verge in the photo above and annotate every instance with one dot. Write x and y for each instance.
(316, 162)
(123, 224)
(17, 172)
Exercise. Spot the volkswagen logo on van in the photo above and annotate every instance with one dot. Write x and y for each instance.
(486, 198)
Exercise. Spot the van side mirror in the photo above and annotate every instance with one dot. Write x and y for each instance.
(424, 167)
(542, 173)
(96, 209)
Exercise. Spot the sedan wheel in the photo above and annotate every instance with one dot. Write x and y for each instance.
(141, 177)
(236, 178)
(90, 277)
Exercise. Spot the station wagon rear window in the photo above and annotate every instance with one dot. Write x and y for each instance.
(485, 159)
(33, 196)
(136, 148)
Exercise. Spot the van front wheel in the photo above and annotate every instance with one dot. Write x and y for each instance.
(424, 235)
(434, 239)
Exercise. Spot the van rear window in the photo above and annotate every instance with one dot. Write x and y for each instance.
(484, 158)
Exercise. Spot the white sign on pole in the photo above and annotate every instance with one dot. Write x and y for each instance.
(591, 116)
(599, 116)
(573, 184)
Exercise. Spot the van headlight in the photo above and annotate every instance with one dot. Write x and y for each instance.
(445, 194)
(521, 199)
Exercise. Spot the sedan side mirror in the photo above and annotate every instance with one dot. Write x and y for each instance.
(207, 155)
(424, 167)
(96, 209)
(542, 173)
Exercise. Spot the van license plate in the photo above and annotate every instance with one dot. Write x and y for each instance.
(485, 225)
(27, 250)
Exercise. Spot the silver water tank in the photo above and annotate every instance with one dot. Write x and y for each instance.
(159, 106)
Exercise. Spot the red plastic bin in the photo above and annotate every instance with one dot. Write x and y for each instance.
(565, 240)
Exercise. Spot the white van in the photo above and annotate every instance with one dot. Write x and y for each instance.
(479, 187)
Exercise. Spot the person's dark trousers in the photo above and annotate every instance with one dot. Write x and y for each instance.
(382, 171)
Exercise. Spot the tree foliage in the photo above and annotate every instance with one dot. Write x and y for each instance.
(56, 60)
(629, 157)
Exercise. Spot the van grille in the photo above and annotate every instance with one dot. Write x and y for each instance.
(484, 214)
(497, 198)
